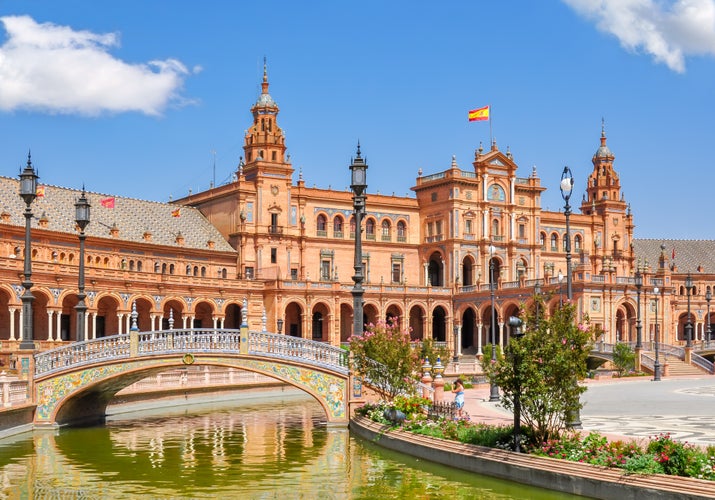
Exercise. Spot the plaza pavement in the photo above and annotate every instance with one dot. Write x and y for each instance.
(630, 408)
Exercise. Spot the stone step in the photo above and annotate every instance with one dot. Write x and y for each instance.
(676, 366)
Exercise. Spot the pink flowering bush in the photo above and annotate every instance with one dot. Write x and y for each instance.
(385, 356)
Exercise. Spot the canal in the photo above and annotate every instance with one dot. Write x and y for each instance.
(277, 447)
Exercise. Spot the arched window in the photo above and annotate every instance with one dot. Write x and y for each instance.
(322, 225)
(563, 242)
(386, 230)
(352, 226)
(554, 242)
(203, 272)
(139, 266)
(542, 240)
(163, 268)
(495, 227)
(577, 243)
(188, 270)
(338, 227)
(157, 267)
(223, 273)
(401, 231)
(196, 270)
(131, 265)
(370, 229)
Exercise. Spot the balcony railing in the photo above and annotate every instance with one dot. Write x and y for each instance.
(275, 229)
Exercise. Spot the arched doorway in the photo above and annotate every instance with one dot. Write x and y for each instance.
(435, 273)
(370, 314)
(439, 324)
(393, 315)
(107, 321)
(6, 317)
(417, 314)
(319, 323)
(144, 320)
(491, 332)
(468, 271)
(203, 315)
(293, 320)
(173, 315)
(68, 318)
(469, 320)
(346, 323)
(233, 318)
(494, 271)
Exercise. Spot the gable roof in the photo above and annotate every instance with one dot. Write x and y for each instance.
(132, 217)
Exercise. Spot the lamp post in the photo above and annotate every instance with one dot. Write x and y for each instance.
(537, 294)
(566, 188)
(81, 208)
(516, 323)
(28, 192)
(493, 389)
(455, 358)
(656, 363)
(639, 283)
(358, 186)
(638, 279)
(708, 298)
(689, 325)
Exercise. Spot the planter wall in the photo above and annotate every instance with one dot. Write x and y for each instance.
(560, 475)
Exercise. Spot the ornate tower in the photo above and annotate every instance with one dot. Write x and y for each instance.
(264, 143)
(611, 216)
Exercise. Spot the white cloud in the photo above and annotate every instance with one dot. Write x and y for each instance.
(55, 69)
(667, 30)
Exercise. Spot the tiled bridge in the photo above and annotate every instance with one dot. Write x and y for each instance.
(75, 383)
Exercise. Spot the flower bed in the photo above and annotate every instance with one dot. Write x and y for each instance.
(661, 455)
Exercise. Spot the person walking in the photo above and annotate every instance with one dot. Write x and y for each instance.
(458, 396)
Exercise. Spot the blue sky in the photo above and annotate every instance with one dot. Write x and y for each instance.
(133, 97)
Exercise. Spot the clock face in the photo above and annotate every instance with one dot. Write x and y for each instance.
(274, 190)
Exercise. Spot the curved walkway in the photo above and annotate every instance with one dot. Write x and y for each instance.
(631, 408)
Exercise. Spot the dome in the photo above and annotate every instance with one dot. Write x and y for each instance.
(265, 100)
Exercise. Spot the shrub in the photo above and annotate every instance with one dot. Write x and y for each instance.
(643, 464)
(624, 359)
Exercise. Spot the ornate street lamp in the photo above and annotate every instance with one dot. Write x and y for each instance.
(81, 208)
(708, 298)
(656, 363)
(493, 389)
(516, 323)
(280, 325)
(358, 186)
(689, 325)
(566, 188)
(639, 283)
(28, 192)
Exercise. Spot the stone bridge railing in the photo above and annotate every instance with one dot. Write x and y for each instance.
(208, 341)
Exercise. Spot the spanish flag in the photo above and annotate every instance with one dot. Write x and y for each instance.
(40, 191)
(176, 213)
(479, 115)
(107, 202)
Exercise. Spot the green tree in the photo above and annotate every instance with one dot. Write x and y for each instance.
(545, 366)
(624, 359)
(428, 349)
(386, 358)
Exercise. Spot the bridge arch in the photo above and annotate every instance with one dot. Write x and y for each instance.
(74, 384)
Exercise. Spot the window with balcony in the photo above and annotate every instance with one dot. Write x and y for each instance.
(554, 242)
(325, 270)
(338, 227)
(386, 236)
(401, 231)
(370, 229)
(322, 225)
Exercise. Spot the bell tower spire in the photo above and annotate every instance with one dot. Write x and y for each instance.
(264, 142)
(604, 184)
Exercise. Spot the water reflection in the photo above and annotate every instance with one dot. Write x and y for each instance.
(236, 450)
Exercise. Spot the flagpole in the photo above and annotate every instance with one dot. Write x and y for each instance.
(491, 137)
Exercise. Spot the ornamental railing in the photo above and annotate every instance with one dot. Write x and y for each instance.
(209, 341)
(273, 345)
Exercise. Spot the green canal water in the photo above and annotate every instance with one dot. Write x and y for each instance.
(267, 449)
